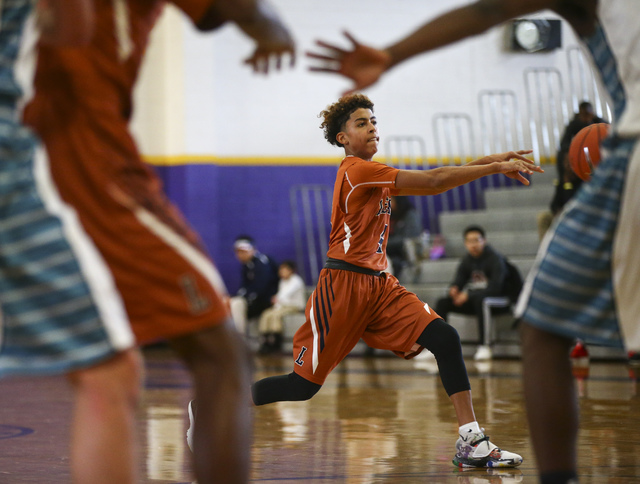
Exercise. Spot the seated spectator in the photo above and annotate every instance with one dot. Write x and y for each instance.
(482, 273)
(259, 283)
(567, 183)
(290, 299)
(405, 225)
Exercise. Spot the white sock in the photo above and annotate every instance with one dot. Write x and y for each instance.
(470, 428)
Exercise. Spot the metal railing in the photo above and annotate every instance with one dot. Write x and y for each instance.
(583, 84)
(311, 218)
(546, 109)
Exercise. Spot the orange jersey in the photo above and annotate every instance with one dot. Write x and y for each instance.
(81, 110)
(98, 79)
(361, 212)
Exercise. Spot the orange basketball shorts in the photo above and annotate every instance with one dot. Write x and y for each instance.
(347, 306)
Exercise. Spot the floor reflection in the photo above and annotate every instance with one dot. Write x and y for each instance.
(376, 420)
(165, 443)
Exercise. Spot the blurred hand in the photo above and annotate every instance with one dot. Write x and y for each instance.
(362, 64)
(272, 37)
(272, 48)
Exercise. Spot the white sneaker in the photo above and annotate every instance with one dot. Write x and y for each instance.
(425, 355)
(475, 450)
(483, 353)
(191, 426)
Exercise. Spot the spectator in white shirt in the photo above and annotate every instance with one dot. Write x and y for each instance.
(289, 299)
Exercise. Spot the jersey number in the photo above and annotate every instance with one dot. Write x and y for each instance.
(381, 241)
(299, 360)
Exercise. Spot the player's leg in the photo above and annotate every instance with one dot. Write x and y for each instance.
(219, 362)
(103, 429)
(443, 341)
(402, 321)
(336, 318)
(473, 448)
(551, 402)
(283, 388)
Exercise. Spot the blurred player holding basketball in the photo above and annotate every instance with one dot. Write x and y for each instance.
(354, 299)
(584, 284)
(162, 275)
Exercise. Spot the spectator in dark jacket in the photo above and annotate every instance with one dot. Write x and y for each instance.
(259, 282)
(481, 274)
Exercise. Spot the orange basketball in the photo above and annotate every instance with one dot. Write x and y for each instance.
(584, 152)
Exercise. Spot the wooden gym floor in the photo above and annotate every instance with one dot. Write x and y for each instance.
(376, 420)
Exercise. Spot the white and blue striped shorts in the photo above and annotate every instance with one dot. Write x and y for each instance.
(60, 310)
(570, 290)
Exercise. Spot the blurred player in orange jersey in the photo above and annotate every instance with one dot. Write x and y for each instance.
(584, 283)
(162, 275)
(354, 299)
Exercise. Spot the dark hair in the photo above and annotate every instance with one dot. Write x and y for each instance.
(337, 114)
(290, 264)
(585, 106)
(473, 228)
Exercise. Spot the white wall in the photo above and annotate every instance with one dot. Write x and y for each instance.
(196, 97)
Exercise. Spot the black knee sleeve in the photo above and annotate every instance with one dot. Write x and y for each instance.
(283, 388)
(443, 341)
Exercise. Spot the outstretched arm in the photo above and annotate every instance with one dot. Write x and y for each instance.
(258, 20)
(438, 180)
(364, 64)
(65, 22)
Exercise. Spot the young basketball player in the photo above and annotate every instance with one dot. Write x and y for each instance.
(584, 284)
(354, 299)
(148, 259)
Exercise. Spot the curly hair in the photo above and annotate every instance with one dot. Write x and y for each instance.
(337, 114)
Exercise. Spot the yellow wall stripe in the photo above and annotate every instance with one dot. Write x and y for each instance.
(179, 160)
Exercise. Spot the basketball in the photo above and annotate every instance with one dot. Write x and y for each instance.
(584, 152)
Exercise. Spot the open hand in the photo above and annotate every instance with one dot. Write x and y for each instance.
(362, 64)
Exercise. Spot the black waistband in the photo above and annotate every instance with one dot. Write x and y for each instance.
(345, 266)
